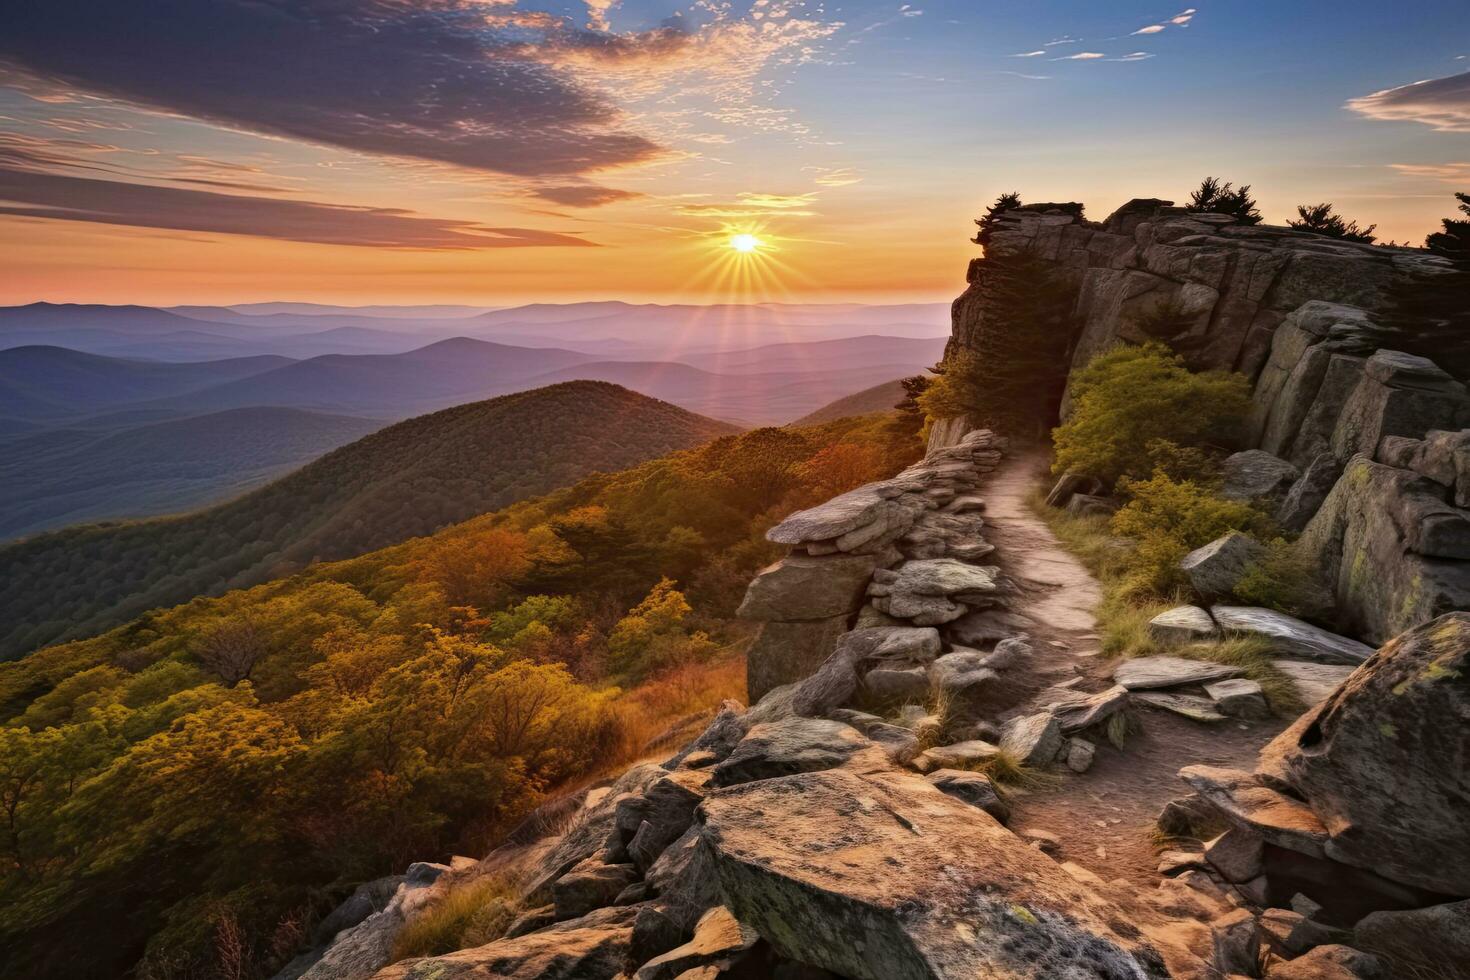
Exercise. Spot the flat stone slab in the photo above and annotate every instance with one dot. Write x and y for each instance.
(1182, 624)
(1144, 673)
(1186, 705)
(838, 516)
(1291, 637)
(960, 755)
(1241, 799)
(1314, 682)
(1077, 711)
(1239, 697)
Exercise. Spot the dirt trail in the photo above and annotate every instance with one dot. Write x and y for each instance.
(1104, 817)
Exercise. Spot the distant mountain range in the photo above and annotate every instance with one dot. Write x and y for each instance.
(621, 331)
(404, 481)
(761, 386)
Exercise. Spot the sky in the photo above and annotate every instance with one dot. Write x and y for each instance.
(495, 152)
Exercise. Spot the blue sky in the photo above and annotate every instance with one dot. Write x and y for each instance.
(498, 150)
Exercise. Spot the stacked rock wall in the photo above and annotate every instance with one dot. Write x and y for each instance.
(896, 551)
(1373, 439)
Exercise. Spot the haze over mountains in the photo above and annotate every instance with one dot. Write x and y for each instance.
(107, 412)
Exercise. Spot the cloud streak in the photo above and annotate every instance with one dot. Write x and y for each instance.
(1440, 103)
(438, 80)
(29, 194)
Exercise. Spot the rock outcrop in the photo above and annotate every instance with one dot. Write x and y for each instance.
(1357, 437)
(1356, 812)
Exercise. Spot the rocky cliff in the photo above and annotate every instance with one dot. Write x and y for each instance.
(1367, 435)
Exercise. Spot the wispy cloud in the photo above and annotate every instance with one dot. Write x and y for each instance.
(1082, 56)
(30, 194)
(755, 205)
(1180, 19)
(1029, 54)
(834, 176)
(1064, 39)
(1135, 56)
(1454, 173)
(1440, 103)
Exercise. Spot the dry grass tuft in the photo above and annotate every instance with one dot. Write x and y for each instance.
(468, 915)
(672, 705)
(1253, 656)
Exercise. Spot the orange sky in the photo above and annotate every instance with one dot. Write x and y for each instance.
(611, 150)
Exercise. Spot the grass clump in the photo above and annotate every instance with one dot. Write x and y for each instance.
(1254, 656)
(468, 915)
(1005, 768)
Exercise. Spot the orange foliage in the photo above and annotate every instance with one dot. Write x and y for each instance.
(473, 569)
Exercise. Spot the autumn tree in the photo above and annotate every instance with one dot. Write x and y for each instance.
(474, 568)
(231, 650)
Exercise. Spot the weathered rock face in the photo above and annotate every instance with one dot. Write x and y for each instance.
(1295, 312)
(1236, 283)
(863, 877)
(1391, 549)
(1385, 761)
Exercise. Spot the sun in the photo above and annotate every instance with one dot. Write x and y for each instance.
(745, 242)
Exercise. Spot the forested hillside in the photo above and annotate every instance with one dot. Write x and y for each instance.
(879, 398)
(67, 476)
(191, 790)
(403, 481)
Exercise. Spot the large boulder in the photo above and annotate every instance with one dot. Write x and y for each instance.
(1387, 542)
(804, 587)
(1385, 761)
(1182, 624)
(1215, 569)
(791, 746)
(1147, 673)
(785, 652)
(1256, 475)
(1420, 942)
(883, 877)
(1306, 495)
(1400, 395)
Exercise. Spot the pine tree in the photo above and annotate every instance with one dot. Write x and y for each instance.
(1214, 197)
(1454, 241)
(1006, 202)
(1323, 220)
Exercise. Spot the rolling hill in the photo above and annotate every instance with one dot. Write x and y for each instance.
(406, 480)
(445, 373)
(73, 475)
(879, 398)
(41, 382)
(746, 399)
